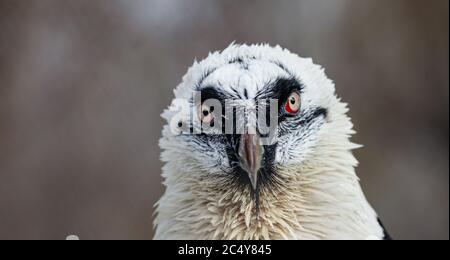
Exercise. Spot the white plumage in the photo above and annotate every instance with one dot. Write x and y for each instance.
(311, 192)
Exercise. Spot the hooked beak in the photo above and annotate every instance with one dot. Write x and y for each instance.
(250, 156)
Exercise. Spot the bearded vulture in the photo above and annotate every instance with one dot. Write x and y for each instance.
(256, 146)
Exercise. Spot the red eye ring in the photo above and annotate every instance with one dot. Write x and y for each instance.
(293, 103)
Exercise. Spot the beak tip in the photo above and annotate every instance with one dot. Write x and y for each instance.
(254, 179)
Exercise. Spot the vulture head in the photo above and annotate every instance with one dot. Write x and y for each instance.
(256, 146)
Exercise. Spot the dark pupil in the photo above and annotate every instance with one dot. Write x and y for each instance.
(205, 112)
(293, 100)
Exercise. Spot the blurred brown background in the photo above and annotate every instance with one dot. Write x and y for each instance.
(82, 84)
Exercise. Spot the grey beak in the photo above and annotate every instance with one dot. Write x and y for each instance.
(250, 156)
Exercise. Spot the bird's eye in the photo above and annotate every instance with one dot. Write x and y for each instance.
(206, 114)
(293, 103)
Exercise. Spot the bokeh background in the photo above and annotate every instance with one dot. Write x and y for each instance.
(82, 85)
